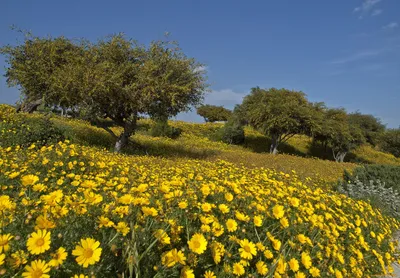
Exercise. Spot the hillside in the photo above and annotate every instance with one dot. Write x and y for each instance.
(181, 211)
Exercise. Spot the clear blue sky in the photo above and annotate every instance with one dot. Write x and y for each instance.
(343, 52)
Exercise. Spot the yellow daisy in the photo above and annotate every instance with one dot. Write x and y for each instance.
(37, 269)
(58, 257)
(198, 243)
(5, 242)
(248, 249)
(39, 242)
(88, 252)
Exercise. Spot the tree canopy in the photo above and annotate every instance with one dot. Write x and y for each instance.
(213, 113)
(279, 113)
(114, 78)
(371, 127)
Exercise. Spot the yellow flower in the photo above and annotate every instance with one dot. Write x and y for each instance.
(258, 221)
(268, 254)
(231, 225)
(29, 180)
(18, 258)
(300, 275)
(302, 238)
(5, 242)
(183, 205)
(2, 257)
(149, 211)
(294, 265)
(187, 272)
(238, 269)
(39, 242)
(278, 211)
(198, 244)
(223, 208)
(206, 207)
(122, 228)
(162, 236)
(284, 222)
(43, 223)
(217, 251)
(58, 257)
(248, 249)
(37, 269)
(294, 202)
(306, 260)
(105, 222)
(314, 272)
(88, 253)
(172, 257)
(262, 268)
(281, 266)
(209, 274)
(80, 276)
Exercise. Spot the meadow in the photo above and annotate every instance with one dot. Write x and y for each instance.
(188, 207)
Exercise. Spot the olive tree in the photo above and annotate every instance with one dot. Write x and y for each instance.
(338, 133)
(118, 79)
(280, 114)
(213, 113)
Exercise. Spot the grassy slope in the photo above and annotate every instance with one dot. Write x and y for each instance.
(194, 143)
(298, 154)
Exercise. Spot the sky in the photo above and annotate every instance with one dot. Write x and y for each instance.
(345, 53)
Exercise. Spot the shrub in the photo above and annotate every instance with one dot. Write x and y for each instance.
(388, 175)
(162, 129)
(375, 192)
(391, 142)
(231, 133)
(26, 130)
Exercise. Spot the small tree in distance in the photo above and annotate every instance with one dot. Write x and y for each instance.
(213, 113)
(280, 114)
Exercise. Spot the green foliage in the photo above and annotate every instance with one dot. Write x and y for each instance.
(25, 131)
(371, 127)
(212, 113)
(280, 114)
(338, 133)
(162, 129)
(115, 78)
(388, 175)
(391, 142)
(231, 133)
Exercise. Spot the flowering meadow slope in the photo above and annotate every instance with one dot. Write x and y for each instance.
(67, 210)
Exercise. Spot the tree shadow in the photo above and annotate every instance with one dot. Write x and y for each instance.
(261, 144)
(161, 149)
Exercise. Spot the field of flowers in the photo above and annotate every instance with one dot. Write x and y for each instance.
(77, 211)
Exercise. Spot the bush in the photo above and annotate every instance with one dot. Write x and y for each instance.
(162, 129)
(388, 175)
(26, 130)
(391, 142)
(375, 192)
(231, 133)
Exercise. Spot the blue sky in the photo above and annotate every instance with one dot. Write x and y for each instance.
(343, 52)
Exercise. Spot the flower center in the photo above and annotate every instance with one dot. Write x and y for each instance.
(88, 253)
(3, 242)
(36, 273)
(40, 242)
(246, 248)
(196, 244)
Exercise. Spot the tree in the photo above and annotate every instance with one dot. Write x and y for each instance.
(213, 113)
(32, 65)
(280, 114)
(340, 135)
(371, 126)
(391, 142)
(119, 79)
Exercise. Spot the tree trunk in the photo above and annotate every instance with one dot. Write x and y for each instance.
(29, 107)
(123, 139)
(274, 145)
(339, 156)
